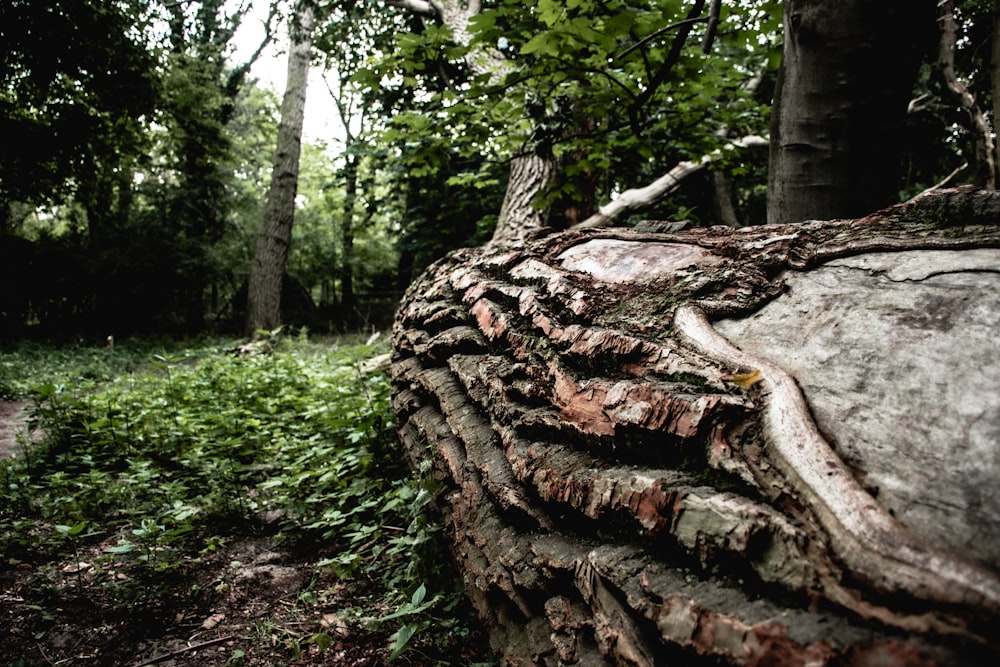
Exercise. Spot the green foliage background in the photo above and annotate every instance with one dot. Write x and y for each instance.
(139, 145)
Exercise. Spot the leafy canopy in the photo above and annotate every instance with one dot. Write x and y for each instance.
(619, 91)
(69, 100)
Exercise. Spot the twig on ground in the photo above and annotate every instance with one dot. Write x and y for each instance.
(186, 649)
(41, 651)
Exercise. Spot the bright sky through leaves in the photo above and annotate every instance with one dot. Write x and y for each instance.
(321, 122)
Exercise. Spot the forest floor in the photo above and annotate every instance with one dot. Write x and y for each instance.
(242, 605)
(13, 420)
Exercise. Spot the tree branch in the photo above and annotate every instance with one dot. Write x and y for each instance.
(634, 199)
(983, 148)
(650, 37)
(422, 7)
(236, 77)
(937, 186)
(673, 56)
(344, 110)
(713, 23)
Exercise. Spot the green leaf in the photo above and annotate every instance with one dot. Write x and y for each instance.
(541, 43)
(121, 548)
(403, 637)
(237, 659)
(549, 11)
(418, 595)
(482, 22)
(322, 641)
(71, 531)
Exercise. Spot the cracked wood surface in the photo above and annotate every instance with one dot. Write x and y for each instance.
(624, 485)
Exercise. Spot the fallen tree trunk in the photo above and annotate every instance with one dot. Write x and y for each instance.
(774, 445)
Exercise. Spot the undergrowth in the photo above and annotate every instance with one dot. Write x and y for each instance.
(160, 455)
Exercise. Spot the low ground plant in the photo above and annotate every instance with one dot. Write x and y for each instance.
(150, 461)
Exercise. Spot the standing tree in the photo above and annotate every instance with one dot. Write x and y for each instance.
(836, 128)
(533, 169)
(625, 485)
(983, 158)
(200, 99)
(268, 267)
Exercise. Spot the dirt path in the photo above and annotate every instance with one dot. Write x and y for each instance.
(13, 420)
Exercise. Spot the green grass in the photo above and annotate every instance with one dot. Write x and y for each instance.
(163, 454)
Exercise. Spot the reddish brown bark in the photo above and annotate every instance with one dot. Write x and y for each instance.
(616, 494)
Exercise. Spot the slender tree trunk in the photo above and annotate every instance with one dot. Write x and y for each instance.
(268, 266)
(995, 75)
(348, 300)
(981, 134)
(722, 200)
(846, 77)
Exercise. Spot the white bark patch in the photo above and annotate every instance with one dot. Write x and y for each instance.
(922, 264)
(869, 540)
(617, 261)
(899, 358)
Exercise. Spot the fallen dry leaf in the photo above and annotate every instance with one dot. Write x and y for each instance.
(212, 621)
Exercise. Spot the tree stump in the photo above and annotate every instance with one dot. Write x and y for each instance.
(776, 445)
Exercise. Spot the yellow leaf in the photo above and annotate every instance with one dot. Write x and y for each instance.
(747, 380)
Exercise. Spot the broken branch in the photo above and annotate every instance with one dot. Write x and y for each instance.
(637, 198)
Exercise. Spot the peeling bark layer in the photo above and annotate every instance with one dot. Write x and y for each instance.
(623, 485)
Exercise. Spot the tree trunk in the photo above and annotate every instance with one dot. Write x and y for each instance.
(846, 77)
(520, 215)
(723, 210)
(348, 300)
(624, 485)
(979, 129)
(995, 75)
(271, 255)
(531, 174)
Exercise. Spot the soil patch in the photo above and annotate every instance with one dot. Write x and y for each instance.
(247, 604)
(13, 421)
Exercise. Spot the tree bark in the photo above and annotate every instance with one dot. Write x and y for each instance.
(995, 74)
(723, 210)
(983, 165)
(624, 485)
(520, 216)
(846, 77)
(531, 174)
(268, 266)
